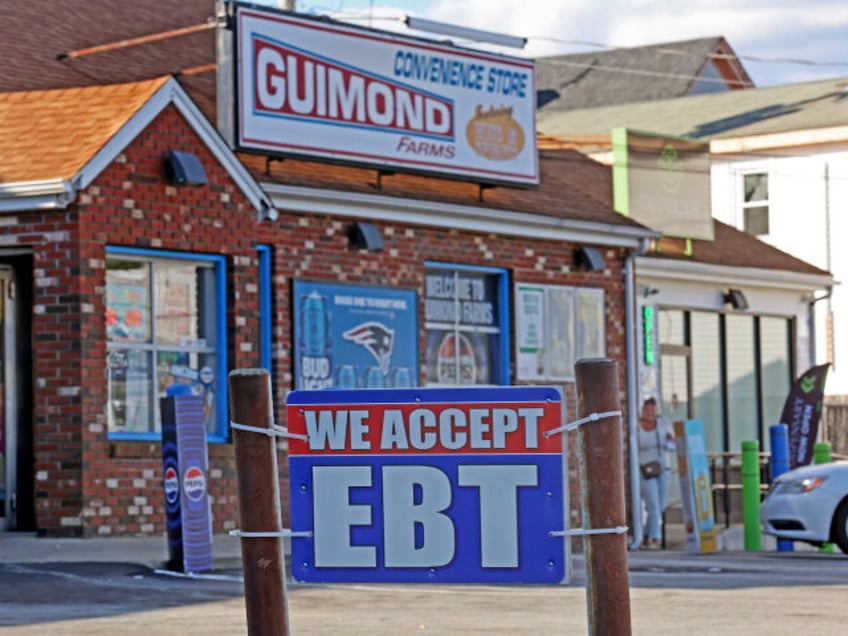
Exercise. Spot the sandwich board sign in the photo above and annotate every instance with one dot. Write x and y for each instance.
(443, 485)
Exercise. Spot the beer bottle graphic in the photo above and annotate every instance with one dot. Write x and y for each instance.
(315, 325)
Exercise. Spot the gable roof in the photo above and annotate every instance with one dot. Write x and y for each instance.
(820, 105)
(53, 134)
(57, 141)
(643, 73)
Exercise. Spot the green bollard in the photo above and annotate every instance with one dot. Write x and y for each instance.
(821, 455)
(751, 494)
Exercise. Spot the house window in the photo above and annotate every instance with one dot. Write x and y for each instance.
(164, 326)
(555, 327)
(466, 325)
(755, 207)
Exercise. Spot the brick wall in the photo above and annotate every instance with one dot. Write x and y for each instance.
(87, 485)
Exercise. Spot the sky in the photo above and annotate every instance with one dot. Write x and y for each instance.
(767, 34)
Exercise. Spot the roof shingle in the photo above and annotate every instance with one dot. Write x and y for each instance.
(52, 134)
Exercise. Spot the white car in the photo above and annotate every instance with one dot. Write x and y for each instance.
(809, 504)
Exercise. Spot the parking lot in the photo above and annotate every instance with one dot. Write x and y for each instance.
(671, 592)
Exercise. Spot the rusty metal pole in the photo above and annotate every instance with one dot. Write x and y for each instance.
(259, 503)
(602, 491)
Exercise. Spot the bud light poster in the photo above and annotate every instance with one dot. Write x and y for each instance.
(349, 337)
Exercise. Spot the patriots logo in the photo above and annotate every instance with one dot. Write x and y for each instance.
(377, 339)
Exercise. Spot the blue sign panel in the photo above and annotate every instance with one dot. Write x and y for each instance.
(349, 337)
(441, 485)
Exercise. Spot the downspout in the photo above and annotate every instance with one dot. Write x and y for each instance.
(633, 388)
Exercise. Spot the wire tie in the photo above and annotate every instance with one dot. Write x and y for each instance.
(584, 531)
(592, 417)
(274, 431)
(279, 534)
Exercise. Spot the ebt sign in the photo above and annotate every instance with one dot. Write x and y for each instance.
(322, 89)
(427, 485)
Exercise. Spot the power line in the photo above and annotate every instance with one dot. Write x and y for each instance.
(354, 16)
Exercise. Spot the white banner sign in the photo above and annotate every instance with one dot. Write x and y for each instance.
(318, 89)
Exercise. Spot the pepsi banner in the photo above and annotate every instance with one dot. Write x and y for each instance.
(801, 414)
(316, 88)
(427, 485)
(354, 337)
(186, 470)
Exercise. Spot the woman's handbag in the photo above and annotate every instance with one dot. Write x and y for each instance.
(651, 470)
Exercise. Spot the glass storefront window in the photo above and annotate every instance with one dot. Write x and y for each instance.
(556, 326)
(465, 335)
(707, 394)
(162, 316)
(672, 327)
(776, 371)
(740, 372)
(742, 407)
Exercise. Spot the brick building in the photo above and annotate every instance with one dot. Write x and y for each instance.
(97, 235)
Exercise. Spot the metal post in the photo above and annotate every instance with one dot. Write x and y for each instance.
(821, 455)
(779, 464)
(751, 494)
(602, 490)
(259, 503)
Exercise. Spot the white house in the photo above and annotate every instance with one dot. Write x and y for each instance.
(779, 171)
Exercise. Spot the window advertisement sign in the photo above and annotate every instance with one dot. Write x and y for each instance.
(530, 332)
(462, 313)
(321, 89)
(433, 485)
(353, 337)
(555, 327)
(696, 490)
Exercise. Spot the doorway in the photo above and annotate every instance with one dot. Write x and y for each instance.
(17, 503)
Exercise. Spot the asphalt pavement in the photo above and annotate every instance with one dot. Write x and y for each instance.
(118, 585)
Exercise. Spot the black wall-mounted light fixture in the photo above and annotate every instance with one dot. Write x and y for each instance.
(185, 169)
(646, 290)
(736, 299)
(365, 236)
(590, 259)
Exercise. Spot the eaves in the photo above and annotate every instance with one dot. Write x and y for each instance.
(454, 217)
(787, 280)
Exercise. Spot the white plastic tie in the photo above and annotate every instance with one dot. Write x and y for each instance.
(274, 431)
(585, 531)
(270, 535)
(592, 417)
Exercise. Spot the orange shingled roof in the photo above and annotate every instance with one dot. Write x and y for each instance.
(52, 134)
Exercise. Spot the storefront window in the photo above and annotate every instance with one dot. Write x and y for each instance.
(466, 334)
(742, 407)
(162, 327)
(707, 395)
(776, 371)
(555, 327)
(741, 370)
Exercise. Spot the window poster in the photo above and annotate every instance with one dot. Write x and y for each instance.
(348, 336)
(530, 331)
(128, 305)
(590, 330)
(555, 326)
(462, 324)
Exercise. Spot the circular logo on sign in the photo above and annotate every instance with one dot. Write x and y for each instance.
(194, 483)
(207, 375)
(172, 485)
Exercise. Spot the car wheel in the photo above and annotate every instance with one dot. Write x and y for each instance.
(840, 526)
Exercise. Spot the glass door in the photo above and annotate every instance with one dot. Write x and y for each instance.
(7, 432)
